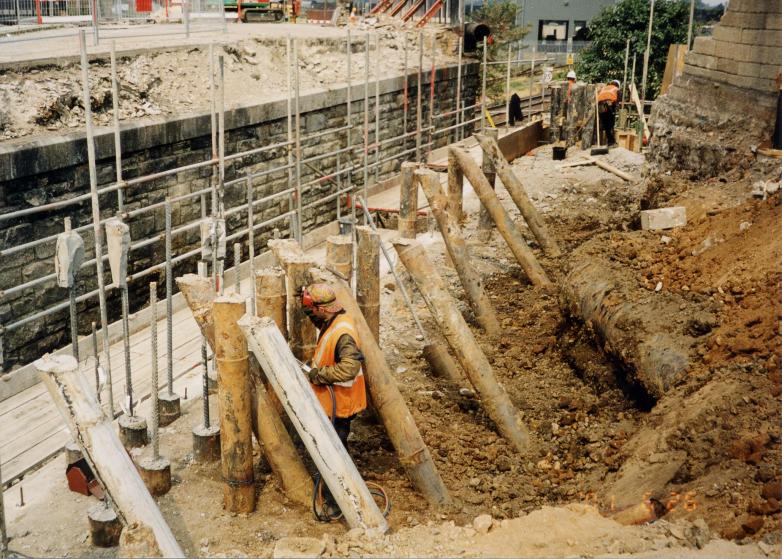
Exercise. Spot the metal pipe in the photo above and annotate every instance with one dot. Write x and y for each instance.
(115, 115)
(169, 304)
(104, 323)
(154, 388)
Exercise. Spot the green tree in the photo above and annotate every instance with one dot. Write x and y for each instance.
(603, 60)
(500, 16)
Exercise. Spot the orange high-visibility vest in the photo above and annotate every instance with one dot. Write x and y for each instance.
(350, 396)
(609, 93)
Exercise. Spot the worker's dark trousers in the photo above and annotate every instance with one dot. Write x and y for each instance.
(342, 427)
(607, 125)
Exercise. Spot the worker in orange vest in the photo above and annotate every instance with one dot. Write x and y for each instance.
(607, 101)
(336, 375)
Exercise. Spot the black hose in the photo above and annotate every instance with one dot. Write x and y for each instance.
(374, 488)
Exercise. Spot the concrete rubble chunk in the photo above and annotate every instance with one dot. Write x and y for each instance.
(298, 548)
(663, 218)
(483, 523)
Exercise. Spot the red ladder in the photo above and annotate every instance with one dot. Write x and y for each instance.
(430, 13)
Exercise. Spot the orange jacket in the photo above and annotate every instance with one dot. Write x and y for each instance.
(350, 396)
(609, 93)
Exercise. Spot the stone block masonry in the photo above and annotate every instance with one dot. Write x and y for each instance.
(724, 101)
(49, 169)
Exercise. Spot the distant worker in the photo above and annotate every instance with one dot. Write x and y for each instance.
(571, 81)
(608, 100)
(336, 375)
(353, 16)
(516, 114)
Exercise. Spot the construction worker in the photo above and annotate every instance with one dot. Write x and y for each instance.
(607, 101)
(336, 376)
(571, 81)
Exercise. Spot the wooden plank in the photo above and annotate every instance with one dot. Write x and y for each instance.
(314, 427)
(44, 449)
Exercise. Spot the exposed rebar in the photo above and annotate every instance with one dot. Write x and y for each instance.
(237, 267)
(154, 389)
(126, 347)
(74, 324)
(96, 358)
(115, 119)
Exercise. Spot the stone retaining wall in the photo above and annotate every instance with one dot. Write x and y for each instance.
(49, 169)
(724, 102)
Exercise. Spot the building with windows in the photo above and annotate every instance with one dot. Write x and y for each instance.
(553, 24)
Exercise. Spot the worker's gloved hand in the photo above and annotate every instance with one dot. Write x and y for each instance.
(312, 375)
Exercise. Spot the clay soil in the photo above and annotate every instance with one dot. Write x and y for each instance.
(707, 453)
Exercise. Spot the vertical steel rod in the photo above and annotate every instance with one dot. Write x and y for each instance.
(507, 91)
(431, 96)
(104, 322)
(405, 95)
(457, 131)
(74, 324)
(115, 114)
(126, 347)
(154, 388)
(624, 78)
(96, 358)
(418, 107)
(169, 304)
(297, 131)
(251, 240)
(221, 154)
(647, 52)
(237, 267)
(377, 108)
(366, 116)
(289, 98)
(531, 81)
(3, 531)
(213, 122)
(483, 85)
(203, 272)
(689, 26)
